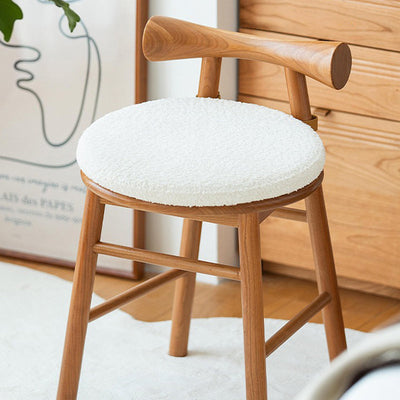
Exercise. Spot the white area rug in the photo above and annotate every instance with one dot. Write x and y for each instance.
(127, 359)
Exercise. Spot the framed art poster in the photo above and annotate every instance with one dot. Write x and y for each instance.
(53, 84)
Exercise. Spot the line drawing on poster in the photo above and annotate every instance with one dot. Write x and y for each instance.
(19, 65)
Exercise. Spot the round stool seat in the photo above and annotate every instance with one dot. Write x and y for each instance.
(200, 152)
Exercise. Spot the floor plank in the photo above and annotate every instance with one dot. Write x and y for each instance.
(283, 297)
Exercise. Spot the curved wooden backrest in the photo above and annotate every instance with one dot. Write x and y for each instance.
(170, 39)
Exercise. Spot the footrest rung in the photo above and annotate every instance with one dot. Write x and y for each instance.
(299, 320)
(133, 293)
(168, 260)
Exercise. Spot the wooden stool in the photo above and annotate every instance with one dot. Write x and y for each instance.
(103, 163)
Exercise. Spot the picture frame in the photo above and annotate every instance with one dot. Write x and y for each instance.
(19, 197)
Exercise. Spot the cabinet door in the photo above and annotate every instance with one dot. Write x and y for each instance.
(373, 23)
(373, 88)
(362, 190)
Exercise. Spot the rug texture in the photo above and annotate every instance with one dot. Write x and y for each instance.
(127, 359)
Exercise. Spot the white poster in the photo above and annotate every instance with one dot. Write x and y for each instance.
(53, 84)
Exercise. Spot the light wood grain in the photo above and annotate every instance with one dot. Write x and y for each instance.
(166, 38)
(133, 293)
(80, 299)
(298, 321)
(373, 23)
(199, 213)
(167, 260)
(223, 219)
(184, 291)
(325, 272)
(191, 235)
(139, 234)
(283, 297)
(209, 77)
(298, 95)
(319, 233)
(362, 188)
(18, 256)
(372, 89)
(252, 307)
(290, 213)
(345, 283)
(170, 39)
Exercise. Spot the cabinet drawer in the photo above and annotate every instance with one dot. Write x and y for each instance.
(373, 23)
(373, 88)
(362, 190)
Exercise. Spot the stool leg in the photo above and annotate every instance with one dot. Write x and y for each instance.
(139, 230)
(184, 291)
(325, 271)
(252, 307)
(81, 297)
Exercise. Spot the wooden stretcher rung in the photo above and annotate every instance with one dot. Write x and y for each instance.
(293, 214)
(134, 293)
(168, 260)
(299, 320)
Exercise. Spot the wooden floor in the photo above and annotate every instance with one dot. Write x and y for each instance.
(283, 297)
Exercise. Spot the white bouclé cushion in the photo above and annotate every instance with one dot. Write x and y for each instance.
(200, 152)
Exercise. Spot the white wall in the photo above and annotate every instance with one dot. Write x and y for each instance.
(180, 79)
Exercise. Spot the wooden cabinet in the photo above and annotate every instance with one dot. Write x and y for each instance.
(373, 88)
(372, 23)
(360, 127)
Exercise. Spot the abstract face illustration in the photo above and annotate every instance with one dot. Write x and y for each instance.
(57, 76)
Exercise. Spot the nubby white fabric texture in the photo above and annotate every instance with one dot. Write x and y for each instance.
(200, 152)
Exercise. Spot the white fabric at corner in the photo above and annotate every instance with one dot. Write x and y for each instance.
(382, 384)
(331, 384)
(200, 152)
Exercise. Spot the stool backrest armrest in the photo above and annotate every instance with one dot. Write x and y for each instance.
(171, 39)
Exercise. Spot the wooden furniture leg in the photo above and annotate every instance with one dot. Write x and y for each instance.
(184, 291)
(81, 297)
(139, 231)
(252, 307)
(319, 229)
(325, 272)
